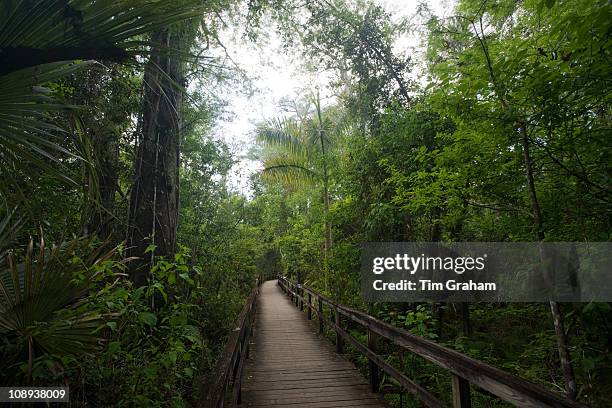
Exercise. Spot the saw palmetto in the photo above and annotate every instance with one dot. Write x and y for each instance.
(40, 293)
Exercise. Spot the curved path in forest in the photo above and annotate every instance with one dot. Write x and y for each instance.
(291, 365)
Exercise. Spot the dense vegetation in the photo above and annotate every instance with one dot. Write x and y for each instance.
(126, 256)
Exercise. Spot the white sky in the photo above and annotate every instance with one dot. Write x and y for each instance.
(277, 74)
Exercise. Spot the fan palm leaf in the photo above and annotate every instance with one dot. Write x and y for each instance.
(40, 31)
(41, 42)
(36, 289)
(8, 227)
(28, 138)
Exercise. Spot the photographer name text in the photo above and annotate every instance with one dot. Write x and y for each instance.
(430, 286)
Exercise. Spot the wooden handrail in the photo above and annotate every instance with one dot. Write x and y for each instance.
(464, 370)
(226, 376)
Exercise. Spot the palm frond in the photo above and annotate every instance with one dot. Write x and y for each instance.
(40, 42)
(284, 135)
(30, 141)
(8, 228)
(41, 31)
(37, 287)
(290, 170)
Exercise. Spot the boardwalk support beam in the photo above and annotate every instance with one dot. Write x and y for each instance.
(338, 336)
(461, 392)
(320, 313)
(373, 371)
(301, 299)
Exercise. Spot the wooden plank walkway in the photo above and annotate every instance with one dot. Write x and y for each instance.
(290, 365)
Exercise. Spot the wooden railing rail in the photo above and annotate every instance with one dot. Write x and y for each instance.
(464, 370)
(225, 381)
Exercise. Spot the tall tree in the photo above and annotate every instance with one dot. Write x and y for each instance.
(356, 39)
(40, 41)
(154, 195)
(154, 200)
(300, 153)
(523, 98)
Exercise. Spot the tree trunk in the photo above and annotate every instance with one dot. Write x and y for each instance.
(106, 152)
(535, 204)
(328, 236)
(564, 357)
(324, 153)
(566, 366)
(466, 324)
(153, 215)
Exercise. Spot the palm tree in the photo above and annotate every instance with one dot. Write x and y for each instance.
(299, 153)
(39, 298)
(42, 41)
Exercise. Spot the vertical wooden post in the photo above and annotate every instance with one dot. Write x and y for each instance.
(338, 336)
(373, 370)
(237, 386)
(320, 315)
(309, 313)
(461, 392)
(301, 298)
(249, 332)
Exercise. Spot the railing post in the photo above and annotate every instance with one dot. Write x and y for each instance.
(373, 370)
(320, 305)
(237, 385)
(309, 312)
(461, 392)
(301, 298)
(248, 334)
(338, 336)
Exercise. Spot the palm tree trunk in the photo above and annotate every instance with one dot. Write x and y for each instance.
(328, 235)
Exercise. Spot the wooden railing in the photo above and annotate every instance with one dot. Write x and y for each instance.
(464, 370)
(225, 380)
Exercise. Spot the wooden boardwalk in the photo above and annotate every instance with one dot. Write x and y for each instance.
(288, 364)
(291, 365)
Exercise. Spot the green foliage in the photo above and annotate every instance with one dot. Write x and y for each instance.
(31, 142)
(450, 166)
(156, 347)
(42, 42)
(301, 151)
(383, 161)
(41, 310)
(357, 39)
